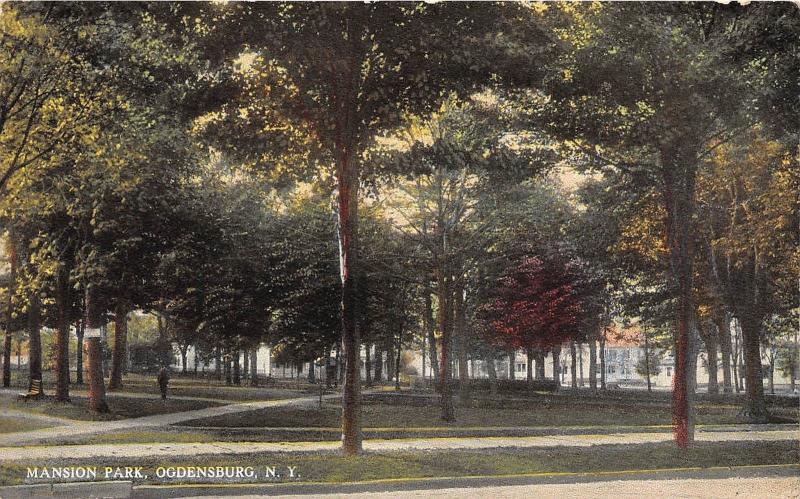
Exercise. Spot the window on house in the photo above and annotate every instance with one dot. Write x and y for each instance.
(669, 372)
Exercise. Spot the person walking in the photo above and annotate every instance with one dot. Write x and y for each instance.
(163, 382)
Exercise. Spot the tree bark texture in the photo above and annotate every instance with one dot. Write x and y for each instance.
(593, 364)
(557, 365)
(723, 325)
(444, 315)
(429, 331)
(94, 356)
(679, 176)
(120, 344)
(13, 260)
(378, 364)
(237, 368)
(573, 368)
(602, 360)
(460, 333)
(709, 335)
(539, 355)
(80, 325)
(63, 303)
(368, 364)
(254, 366)
(756, 407)
(34, 340)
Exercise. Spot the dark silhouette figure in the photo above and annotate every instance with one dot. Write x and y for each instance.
(163, 382)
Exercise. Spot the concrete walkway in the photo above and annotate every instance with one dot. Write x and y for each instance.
(42, 418)
(219, 448)
(83, 428)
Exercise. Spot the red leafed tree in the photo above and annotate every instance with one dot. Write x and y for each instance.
(535, 304)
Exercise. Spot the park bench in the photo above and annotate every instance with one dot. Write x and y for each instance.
(34, 391)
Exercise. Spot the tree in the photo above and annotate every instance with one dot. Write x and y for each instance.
(655, 101)
(536, 304)
(336, 77)
(752, 242)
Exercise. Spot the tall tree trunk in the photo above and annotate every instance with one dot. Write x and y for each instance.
(378, 364)
(228, 359)
(593, 364)
(736, 363)
(120, 345)
(196, 359)
(254, 366)
(34, 340)
(7, 346)
(184, 349)
(13, 260)
(79, 330)
(246, 363)
(772, 373)
(647, 361)
(573, 369)
(539, 356)
(64, 302)
(368, 364)
(311, 373)
(397, 360)
(424, 355)
(237, 368)
(94, 354)
(217, 363)
(709, 335)
(389, 363)
(347, 178)
(512, 363)
(756, 407)
(557, 365)
(429, 327)
(602, 360)
(580, 362)
(460, 333)
(491, 370)
(678, 172)
(723, 325)
(338, 379)
(793, 363)
(529, 364)
(444, 315)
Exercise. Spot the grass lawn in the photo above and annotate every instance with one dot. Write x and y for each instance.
(333, 468)
(182, 388)
(185, 386)
(376, 415)
(321, 434)
(11, 424)
(121, 407)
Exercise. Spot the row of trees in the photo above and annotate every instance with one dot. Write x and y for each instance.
(180, 159)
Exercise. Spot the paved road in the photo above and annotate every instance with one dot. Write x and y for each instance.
(463, 443)
(723, 488)
(768, 481)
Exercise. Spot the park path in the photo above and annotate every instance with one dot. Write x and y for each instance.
(176, 450)
(10, 392)
(73, 428)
